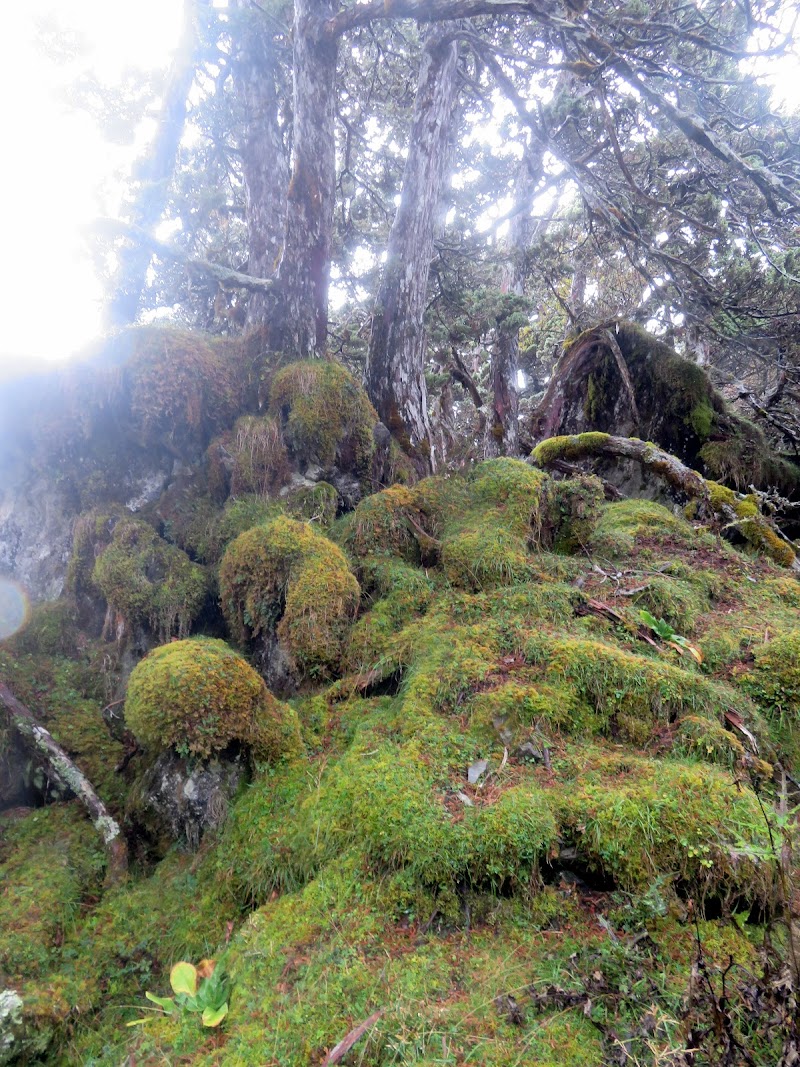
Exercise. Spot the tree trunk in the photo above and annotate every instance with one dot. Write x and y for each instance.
(156, 173)
(502, 426)
(395, 375)
(68, 775)
(300, 323)
(257, 73)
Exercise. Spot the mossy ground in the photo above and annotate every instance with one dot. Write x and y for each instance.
(514, 798)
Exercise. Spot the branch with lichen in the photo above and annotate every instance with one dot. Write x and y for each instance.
(709, 499)
(70, 776)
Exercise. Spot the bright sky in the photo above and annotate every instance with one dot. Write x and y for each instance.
(59, 171)
(56, 164)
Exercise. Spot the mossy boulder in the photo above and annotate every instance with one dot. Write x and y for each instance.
(260, 460)
(325, 415)
(284, 578)
(147, 581)
(676, 405)
(198, 696)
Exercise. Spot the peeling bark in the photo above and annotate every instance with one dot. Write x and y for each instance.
(69, 775)
(257, 73)
(395, 374)
(300, 324)
(502, 428)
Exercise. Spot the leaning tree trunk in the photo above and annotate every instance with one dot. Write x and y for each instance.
(156, 174)
(257, 73)
(300, 323)
(395, 375)
(68, 775)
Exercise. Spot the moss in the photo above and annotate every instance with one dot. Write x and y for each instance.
(774, 683)
(486, 556)
(577, 446)
(632, 818)
(516, 712)
(51, 629)
(146, 580)
(198, 696)
(635, 695)
(746, 516)
(318, 503)
(572, 509)
(285, 578)
(382, 523)
(260, 460)
(67, 697)
(325, 414)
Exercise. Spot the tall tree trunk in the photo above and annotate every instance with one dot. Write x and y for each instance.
(257, 72)
(300, 322)
(156, 173)
(502, 426)
(395, 375)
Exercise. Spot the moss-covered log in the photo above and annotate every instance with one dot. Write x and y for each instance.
(711, 500)
(69, 775)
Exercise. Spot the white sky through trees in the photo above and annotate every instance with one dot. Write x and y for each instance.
(58, 172)
(61, 173)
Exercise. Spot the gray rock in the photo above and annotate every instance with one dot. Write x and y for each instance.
(187, 798)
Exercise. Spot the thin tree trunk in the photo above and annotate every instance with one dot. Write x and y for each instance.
(395, 375)
(502, 426)
(265, 168)
(69, 775)
(300, 323)
(156, 174)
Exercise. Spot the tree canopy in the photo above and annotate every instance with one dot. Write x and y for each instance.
(439, 192)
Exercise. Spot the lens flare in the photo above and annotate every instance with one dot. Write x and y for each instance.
(14, 608)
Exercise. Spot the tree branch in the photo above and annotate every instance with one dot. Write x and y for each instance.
(223, 275)
(69, 775)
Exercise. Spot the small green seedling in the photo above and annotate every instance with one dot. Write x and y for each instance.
(202, 990)
(662, 629)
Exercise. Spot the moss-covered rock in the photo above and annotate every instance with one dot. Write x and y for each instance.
(148, 581)
(260, 460)
(285, 578)
(198, 696)
(325, 414)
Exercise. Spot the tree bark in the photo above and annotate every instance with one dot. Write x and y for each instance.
(395, 374)
(155, 175)
(299, 326)
(69, 775)
(502, 427)
(257, 74)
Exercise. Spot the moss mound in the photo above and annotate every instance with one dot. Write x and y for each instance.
(285, 578)
(325, 414)
(512, 791)
(198, 696)
(145, 580)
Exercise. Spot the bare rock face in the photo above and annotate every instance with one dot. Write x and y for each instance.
(184, 799)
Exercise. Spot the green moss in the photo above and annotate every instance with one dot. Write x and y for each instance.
(635, 695)
(382, 523)
(260, 461)
(285, 578)
(571, 513)
(486, 556)
(632, 819)
(325, 415)
(576, 446)
(774, 683)
(50, 860)
(198, 696)
(146, 580)
(318, 503)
